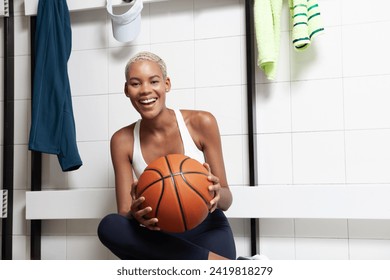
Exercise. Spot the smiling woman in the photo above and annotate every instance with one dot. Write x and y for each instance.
(143, 86)
(159, 132)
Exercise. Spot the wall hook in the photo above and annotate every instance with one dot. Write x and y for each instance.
(4, 8)
(4, 203)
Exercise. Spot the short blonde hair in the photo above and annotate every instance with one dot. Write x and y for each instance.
(145, 55)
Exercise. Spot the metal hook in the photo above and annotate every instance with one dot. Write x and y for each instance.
(4, 8)
(4, 203)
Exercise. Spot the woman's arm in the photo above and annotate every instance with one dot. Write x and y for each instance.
(127, 204)
(207, 135)
(119, 147)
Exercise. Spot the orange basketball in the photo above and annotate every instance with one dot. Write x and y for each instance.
(176, 187)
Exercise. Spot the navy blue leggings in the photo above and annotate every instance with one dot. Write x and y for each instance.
(129, 241)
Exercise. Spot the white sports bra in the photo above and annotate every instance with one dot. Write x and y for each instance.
(190, 148)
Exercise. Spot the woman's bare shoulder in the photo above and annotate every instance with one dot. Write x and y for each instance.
(198, 119)
(123, 135)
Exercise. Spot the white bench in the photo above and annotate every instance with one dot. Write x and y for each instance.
(277, 201)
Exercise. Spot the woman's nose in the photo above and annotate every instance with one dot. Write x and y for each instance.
(145, 87)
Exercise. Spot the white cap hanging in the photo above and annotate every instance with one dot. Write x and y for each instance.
(126, 26)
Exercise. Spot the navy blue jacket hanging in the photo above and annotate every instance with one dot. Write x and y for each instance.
(53, 128)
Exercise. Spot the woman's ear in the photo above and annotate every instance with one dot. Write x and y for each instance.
(167, 84)
(125, 90)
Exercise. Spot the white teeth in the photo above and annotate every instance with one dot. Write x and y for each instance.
(147, 101)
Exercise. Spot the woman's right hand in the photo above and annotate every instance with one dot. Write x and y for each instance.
(140, 214)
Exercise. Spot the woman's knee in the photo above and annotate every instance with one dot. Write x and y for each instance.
(104, 230)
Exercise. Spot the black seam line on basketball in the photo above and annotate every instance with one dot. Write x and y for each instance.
(162, 189)
(176, 191)
(168, 176)
(190, 172)
(196, 191)
(188, 184)
(155, 181)
(159, 199)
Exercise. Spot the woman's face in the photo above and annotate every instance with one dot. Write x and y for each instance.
(146, 88)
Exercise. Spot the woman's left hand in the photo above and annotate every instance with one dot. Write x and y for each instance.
(214, 188)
